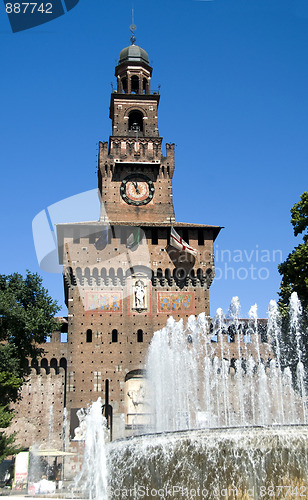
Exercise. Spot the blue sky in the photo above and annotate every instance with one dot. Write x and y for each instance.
(234, 100)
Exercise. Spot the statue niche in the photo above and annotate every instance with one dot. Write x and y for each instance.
(139, 295)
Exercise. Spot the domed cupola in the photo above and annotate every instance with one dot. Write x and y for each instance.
(133, 71)
(133, 53)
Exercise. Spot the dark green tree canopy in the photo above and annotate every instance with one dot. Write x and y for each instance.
(26, 319)
(294, 270)
(299, 218)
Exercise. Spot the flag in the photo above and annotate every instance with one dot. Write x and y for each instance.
(133, 239)
(177, 242)
(102, 241)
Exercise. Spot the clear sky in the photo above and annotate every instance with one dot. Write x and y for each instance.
(234, 100)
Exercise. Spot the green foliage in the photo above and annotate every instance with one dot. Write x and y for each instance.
(7, 446)
(300, 216)
(294, 270)
(26, 319)
(27, 315)
(294, 273)
(9, 387)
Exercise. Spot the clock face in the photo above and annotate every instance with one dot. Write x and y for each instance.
(137, 189)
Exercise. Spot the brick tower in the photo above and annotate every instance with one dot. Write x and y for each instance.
(122, 277)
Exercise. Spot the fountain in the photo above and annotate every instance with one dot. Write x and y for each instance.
(217, 376)
(227, 421)
(92, 480)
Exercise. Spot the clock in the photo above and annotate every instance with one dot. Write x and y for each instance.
(137, 189)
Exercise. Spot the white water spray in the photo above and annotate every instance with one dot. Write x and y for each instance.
(295, 320)
(93, 478)
(202, 375)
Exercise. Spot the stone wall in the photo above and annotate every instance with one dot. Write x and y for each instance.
(39, 413)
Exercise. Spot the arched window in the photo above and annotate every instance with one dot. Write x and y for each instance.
(54, 364)
(180, 273)
(140, 336)
(200, 274)
(89, 336)
(168, 274)
(192, 273)
(124, 84)
(63, 363)
(44, 364)
(145, 86)
(135, 121)
(115, 335)
(135, 84)
(120, 273)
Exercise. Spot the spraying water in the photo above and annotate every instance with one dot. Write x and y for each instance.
(92, 480)
(227, 376)
(295, 320)
(224, 372)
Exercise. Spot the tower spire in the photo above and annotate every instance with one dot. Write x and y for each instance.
(133, 28)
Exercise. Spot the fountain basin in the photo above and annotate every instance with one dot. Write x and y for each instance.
(238, 462)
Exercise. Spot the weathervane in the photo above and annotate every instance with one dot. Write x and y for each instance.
(133, 28)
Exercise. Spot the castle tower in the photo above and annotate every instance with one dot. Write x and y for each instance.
(135, 148)
(122, 276)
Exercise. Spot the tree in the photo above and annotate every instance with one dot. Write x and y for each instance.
(294, 270)
(26, 319)
(294, 273)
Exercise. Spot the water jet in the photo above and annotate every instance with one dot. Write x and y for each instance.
(218, 428)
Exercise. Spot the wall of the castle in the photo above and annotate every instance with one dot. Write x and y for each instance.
(100, 289)
(95, 358)
(39, 413)
(38, 416)
(153, 252)
(91, 363)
